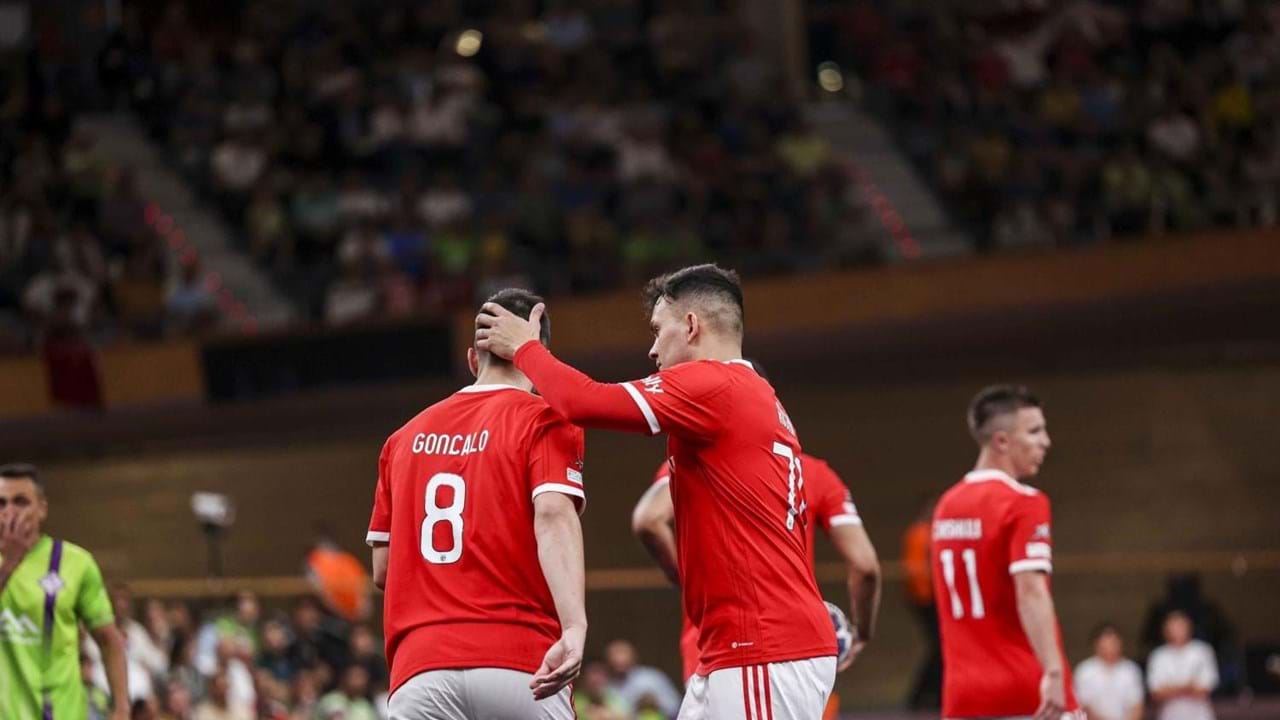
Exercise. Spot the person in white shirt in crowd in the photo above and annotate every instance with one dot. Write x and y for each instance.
(1109, 685)
(634, 682)
(1182, 673)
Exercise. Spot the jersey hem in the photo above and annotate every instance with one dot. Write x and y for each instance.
(706, 668)
(415, 671)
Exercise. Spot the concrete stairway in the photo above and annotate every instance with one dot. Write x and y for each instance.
(858, 136)
(123, 142)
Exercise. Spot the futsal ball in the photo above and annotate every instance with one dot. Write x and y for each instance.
(844, 633)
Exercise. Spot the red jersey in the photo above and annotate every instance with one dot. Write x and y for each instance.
(738, 491)
(455, 503)
(986, 529)
(829, 504)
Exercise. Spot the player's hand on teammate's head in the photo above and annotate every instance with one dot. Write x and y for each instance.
(561, 664)
(502, 332)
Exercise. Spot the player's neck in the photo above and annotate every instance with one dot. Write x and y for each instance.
(492, 374)
(988, 460)
(719, 350)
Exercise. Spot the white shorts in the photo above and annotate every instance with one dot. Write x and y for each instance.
(795, 690)
(475, 694)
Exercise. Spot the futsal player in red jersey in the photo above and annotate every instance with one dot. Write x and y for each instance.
(477, 543)
(767, 646)
(829, 504)
(991, 557)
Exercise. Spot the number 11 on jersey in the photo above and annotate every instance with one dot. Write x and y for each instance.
(970, 557)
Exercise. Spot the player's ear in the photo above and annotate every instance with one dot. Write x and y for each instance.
(692, 326)
(473, 362)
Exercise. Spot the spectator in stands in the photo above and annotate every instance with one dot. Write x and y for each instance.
(218, 705)
(191, 308)
(594, 699)
(1182, 673)
(635, 684)
(1183, 592)
(274, 653)
(1109, 685)
(349, 701)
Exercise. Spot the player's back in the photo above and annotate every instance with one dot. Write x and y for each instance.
(986, 529)
(737, 487)
(464, 585)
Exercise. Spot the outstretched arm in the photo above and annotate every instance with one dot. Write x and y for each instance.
(571, 393)
(651, 521)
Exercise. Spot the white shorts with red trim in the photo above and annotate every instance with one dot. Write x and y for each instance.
(796, 690)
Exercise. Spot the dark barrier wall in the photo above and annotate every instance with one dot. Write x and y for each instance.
(1151, 469)
(246, 368)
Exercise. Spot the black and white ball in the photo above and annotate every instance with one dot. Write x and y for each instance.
(844, 633)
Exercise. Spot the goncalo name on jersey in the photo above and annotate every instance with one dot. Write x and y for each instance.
(446, 444)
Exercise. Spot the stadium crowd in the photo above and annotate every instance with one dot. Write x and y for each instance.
(78, 261)
(413, 158)
(1065, 123)
(241, 662)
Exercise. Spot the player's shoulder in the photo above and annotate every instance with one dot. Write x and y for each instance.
(74, 555)
(819, 471)
(996, 483)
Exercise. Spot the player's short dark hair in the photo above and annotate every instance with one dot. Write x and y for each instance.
(22, 471)
(701, 282)
(520, 302)
(995, 401)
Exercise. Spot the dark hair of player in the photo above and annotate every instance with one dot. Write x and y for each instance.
(996, 401)
(717, 289)
(22, 471)
(1104, 628)
(520, 302)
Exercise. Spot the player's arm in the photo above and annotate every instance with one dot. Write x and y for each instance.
(1039, 622)
(111, 642)
(379, 535)
(93, 608)
(864, 580)
(677, 401)
(381, 554)
(559, 535)
(651, 522)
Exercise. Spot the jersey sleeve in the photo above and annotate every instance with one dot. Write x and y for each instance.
(380, 520)
(663, 474)
(682, 401)
(93, 605)
(555, 459)
(1030, 535)
(831, 504)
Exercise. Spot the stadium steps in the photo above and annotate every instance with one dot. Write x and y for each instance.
(858, 136)
(123, 142)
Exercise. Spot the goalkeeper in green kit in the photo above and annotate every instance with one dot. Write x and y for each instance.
(48, 587)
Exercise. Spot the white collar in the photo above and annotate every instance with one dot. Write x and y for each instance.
(989, 474)
(739, 361)
(488, 388)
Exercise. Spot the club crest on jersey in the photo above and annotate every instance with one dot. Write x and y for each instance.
(785, 419)
(51, 584)
(652, 385)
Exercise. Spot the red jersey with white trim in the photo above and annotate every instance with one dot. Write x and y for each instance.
(986, 529)
(829, 504)
(455, 503)
(737, 486)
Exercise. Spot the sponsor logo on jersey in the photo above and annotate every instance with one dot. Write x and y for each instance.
(1039, 550)
(957, 529)
(18, 629)
(653, 385)
(573, 475)
(1042, 532)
